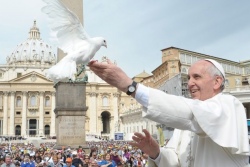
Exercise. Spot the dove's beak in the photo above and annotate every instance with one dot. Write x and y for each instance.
(106, 46)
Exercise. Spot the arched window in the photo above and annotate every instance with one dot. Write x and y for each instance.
(33, 100)
(183, 70)
(106, 121)
(105, 101)
(47, 101)
(18, 101)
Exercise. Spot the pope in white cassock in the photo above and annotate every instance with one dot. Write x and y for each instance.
(210, 129)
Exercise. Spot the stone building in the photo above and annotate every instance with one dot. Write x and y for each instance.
(27, 97)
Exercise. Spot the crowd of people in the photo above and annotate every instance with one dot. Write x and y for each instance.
(96, 154)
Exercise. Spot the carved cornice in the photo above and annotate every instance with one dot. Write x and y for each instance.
(105, 94)
(33, 93)
(92, 94)
(25, 93)
(6, 93)
(12, 93)
(41, 93)
(116, 94)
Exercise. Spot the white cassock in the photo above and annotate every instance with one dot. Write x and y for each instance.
(213, 132)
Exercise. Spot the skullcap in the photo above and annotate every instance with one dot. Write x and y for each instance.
(218, 66)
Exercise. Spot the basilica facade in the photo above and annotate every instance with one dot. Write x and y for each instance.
(27, 97)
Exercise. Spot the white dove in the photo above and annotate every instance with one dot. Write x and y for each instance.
(72, 39)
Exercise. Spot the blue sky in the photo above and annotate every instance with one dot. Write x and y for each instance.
(136, 31)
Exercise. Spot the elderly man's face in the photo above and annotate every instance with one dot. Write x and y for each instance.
(202, 85)
(8, 160)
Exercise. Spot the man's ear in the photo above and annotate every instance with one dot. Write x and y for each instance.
(218, 82)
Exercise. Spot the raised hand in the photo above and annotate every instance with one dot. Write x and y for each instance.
(146, 143)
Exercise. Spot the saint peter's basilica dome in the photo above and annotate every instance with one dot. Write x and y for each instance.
(32, 51)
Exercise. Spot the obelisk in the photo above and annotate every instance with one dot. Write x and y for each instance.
(75, 6)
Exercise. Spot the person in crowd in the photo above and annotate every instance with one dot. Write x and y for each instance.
(61, 156)
(203, 125)
(126, 156)
(131, 161)
(76, 160)
(17, 157)
(86, 161)
(68, 163)
(93, 156)
(120, 151)
(100, 157)
(119, 164)
(139, 161)
(115, 157)
(27, 162)
(144, 160)
(80, 150)
(17, 164)
(8, 162)
(56, 162)
(1, 160)
(107, 162)
(93, 164)
(38, 160)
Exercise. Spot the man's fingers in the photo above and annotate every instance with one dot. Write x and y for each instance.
(147, 134)
(136, 139)
(134, 144)
(109, 62)
(92, 62)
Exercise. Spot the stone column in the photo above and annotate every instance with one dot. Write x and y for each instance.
(41, 114)
(53, 120)
(93, 112)
(37, 128)
(115, 109)
(248, 110)
(2, 128)
(24, 114)
(12, 113)
(5, 113)
(28, 127)
(75, 6)
(70, 113)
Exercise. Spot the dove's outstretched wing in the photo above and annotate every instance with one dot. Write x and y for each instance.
(65, 24)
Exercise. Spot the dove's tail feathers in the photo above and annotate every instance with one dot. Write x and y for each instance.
(62, 71)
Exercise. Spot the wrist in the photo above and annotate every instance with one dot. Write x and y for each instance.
(125, 85)
(154, 156)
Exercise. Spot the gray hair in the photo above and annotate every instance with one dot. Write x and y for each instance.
(216, 72)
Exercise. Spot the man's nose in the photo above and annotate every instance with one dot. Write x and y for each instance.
(190, 82)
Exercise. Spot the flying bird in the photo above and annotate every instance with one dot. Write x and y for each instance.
(71, 37)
